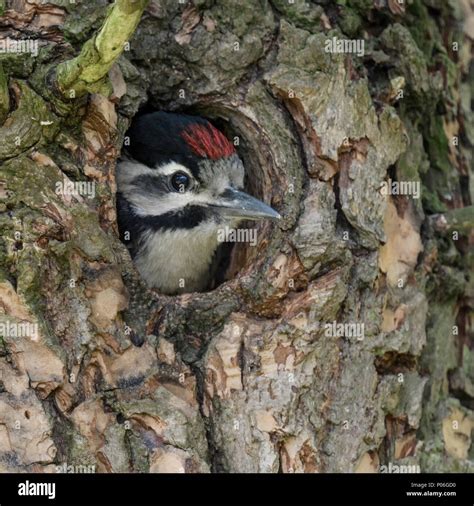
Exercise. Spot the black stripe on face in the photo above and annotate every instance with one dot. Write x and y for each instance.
(148, 183)
(186, 218)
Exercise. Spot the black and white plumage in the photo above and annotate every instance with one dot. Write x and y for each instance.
(179, 181)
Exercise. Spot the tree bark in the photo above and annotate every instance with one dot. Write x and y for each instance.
(343, 341)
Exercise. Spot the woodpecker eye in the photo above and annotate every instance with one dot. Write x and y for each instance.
(180, 182)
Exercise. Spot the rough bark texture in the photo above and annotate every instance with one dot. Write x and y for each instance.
(246, 377)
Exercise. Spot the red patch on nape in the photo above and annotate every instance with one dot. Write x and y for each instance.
(207, 142)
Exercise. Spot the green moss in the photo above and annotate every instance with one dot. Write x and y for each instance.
(301, 13)
(350, 22)
(83, 19)
(242, 17)
(4, 95)
(138, 452)
(18, 65)
(408, 58)
(468, 363)
(32, 123)
(89, 238)
(412, 161)
(22, 169)
(30, 263)
(438, 144)
(75, 444)
(362, 6)
(423, 29)
(431, 201)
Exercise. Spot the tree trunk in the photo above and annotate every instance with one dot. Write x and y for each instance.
(343, 341)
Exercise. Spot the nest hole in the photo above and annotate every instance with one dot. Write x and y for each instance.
(237, 256)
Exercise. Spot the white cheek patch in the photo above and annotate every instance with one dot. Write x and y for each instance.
(146, 204)
(127, 171)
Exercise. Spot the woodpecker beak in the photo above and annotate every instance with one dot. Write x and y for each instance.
(237, 204)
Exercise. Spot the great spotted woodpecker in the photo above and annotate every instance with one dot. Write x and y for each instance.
(179, 181)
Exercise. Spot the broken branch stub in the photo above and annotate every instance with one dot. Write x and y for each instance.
(87, 72)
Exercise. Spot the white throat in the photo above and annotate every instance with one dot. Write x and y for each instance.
(177, 261)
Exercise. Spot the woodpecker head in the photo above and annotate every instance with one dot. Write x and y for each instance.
(179, 181)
